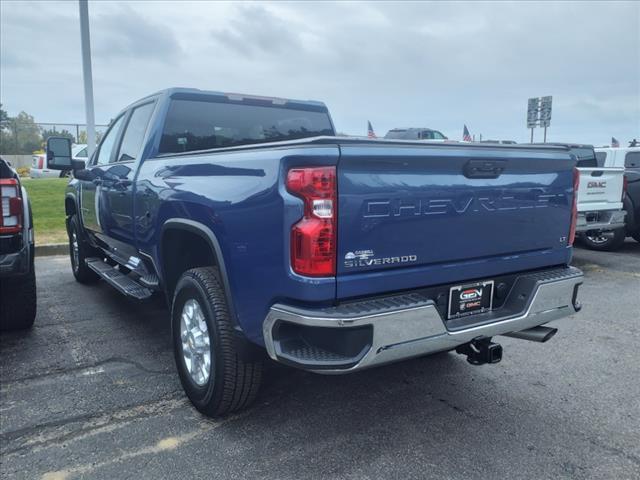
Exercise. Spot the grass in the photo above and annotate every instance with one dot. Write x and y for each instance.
(47, 202)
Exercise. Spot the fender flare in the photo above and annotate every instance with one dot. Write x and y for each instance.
(73, 198)
(206, 234)
(630, 219)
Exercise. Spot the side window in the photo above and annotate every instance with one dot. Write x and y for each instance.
(632, 160)
(601, 157)
(108, 142)
(134, 133)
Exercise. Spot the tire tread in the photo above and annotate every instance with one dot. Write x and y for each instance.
(241, 380)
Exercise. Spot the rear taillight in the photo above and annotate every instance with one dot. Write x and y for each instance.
(40, 162)
(574, 206)
(11, 207)
(625, 186)
(313, 238)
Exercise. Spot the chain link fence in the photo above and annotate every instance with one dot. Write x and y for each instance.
(26, 137)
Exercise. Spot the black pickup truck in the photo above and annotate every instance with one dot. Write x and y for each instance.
(17, 273)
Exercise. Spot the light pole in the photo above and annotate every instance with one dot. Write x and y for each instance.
(87, 76)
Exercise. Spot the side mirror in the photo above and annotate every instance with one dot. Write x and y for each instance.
(86, 175)
(77, 164)
(59, 153)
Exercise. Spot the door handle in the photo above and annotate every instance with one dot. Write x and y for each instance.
(97, 181)
(484, 168)
(122, 184)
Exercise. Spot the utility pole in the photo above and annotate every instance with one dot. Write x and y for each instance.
(87, 76)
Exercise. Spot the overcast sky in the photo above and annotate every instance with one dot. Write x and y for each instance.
(437, 65)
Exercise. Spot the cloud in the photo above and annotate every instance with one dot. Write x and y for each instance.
(397, 64)
(131, 35)
(257, 30)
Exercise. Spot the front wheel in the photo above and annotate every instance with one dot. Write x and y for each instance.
(215, 378)
(604, 241)
(79, 251)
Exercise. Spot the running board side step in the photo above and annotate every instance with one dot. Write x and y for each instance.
(117, 280)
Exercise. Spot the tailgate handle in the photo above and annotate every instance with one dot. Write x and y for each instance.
(484, 168)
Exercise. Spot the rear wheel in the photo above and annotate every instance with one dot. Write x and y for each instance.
(605, 241)
(636, 236)
(215, 378)
(18, 301)
(79, 251)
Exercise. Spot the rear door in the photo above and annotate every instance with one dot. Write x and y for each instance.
(412, 216)
(117, 181)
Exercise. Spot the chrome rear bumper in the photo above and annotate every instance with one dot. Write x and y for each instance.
(600, 220)
(403, 326)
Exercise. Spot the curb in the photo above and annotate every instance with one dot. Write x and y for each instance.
(52, 249)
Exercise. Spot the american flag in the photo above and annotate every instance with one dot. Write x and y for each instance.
(615, 143)
(466, 136)
(370, 132)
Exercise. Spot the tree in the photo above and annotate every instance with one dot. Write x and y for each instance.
(20, 135)
(4, 119)
(82, 137)
(54, 133)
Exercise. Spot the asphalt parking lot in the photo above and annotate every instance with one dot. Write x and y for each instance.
(92, 392)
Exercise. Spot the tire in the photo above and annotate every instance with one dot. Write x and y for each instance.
(83, 251)
(232, 383)
(636, 236)
(18, 302)
(608, 242)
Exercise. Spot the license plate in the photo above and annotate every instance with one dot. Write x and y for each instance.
(470, 299)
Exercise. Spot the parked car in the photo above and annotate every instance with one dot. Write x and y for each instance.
(17, 273)
(629, 159)
(40, 167)
(264, 231)
(600, 210)
(504, 142)
(414, 134)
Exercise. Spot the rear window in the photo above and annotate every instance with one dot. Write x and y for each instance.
(601, 158)
(586, 157)
(397, 134)
(203, 124)
(632, 160)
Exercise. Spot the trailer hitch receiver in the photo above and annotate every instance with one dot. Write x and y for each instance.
(480, 351)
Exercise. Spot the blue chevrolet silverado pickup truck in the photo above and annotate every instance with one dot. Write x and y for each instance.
(266, 232)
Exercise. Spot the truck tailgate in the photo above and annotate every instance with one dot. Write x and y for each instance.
(419, 215)
(600, 189)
